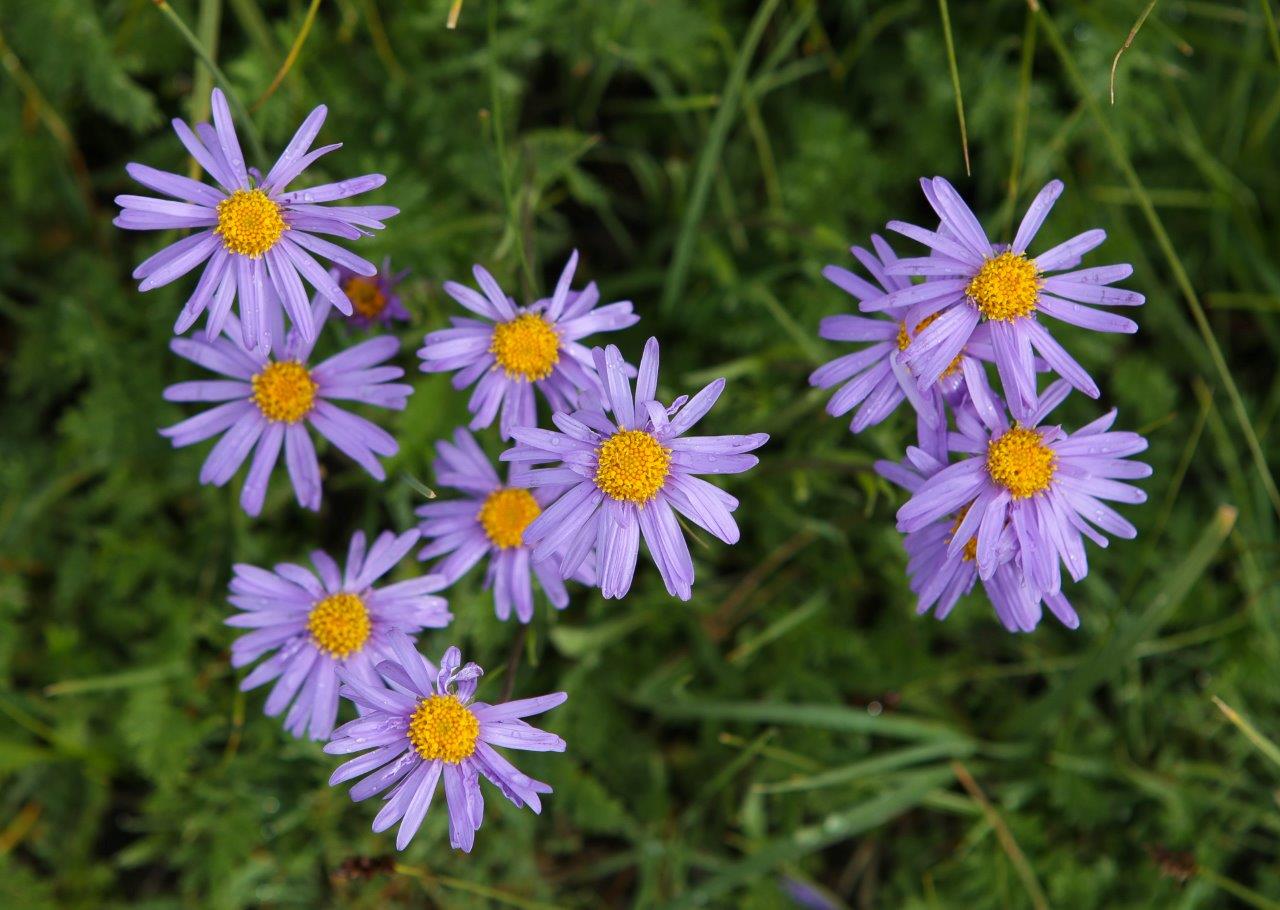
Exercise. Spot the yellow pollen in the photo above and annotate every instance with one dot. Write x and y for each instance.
(284, 391)
(339, 625)
(505, 514)
(249, 223)
(527, 347)
(1020, 462)
(904, 341)
(971, 546)
(632, 466)
(443, 728)
(1006, 287)
(365, 295)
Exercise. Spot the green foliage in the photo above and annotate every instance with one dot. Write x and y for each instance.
(796, 719)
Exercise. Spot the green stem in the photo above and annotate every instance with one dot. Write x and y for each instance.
(955, 80)
(710, 163)
(500, 147)
(246, 124)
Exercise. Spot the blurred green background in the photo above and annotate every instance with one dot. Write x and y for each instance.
(794, 722)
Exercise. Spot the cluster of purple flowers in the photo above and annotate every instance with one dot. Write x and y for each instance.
(995, 494)
(619, 465)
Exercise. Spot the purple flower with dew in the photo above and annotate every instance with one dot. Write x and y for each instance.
(629, 473)
(251, 232)
(374, 300)
(1049, 485)
(876, 379)
(940, 576)
(269, 402)
(315, 624)
(490, 521)
(425, 727)
(512, 349)
(970, 280)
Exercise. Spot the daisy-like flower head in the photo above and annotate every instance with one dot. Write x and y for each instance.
(629, 472)
(425, 727)
(876, 379)
(270, 402)
(1045, 483)
(374, 300)
(970, 280)
(940, 574)
(490, 521)
(251, 233)
(512, 349)
(319, 623)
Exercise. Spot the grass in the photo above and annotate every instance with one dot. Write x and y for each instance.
(795, 722)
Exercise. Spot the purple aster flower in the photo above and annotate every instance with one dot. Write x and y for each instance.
(425, 727)
(252, 234)
(876, 379)
(319, 623)
(969, 281)
(374, 300)
(512, 349)
(269, 402)
(629, 474)
(1047, 484)
(490, 521)
(940, 575)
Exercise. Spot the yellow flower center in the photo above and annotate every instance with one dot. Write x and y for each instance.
(365, 295)
(527, 347)
(339, 625)
(249, 223)
(1006, 287)
(443, 728)
(505, 514)
(904, 342)
(284, 391)
(1020, 462)
(632, 466)
(971, 546)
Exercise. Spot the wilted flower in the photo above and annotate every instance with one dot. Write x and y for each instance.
(374, 300)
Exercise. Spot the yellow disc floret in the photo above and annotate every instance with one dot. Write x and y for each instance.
(339, 625)
(904, 342)
(505, 514)
(1020, 462)
(284, 391)
(971, 545)
(632, 466)
(365, 295)
(443, 729)
(527, 347)
(249, 223)
(1006, 287)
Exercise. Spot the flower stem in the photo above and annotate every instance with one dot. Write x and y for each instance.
(246, 124)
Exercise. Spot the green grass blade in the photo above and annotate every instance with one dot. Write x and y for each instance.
(836, 827)
(709, 161)
(1115, 652)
